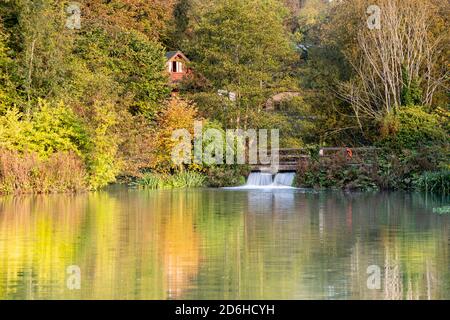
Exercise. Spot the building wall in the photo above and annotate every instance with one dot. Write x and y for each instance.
(176, 76)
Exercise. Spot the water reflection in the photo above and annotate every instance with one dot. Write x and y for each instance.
(215, 244)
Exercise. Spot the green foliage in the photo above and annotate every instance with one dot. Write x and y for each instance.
(387, 170)
(50, 129)
(8, 95)
(100, 94)
(232, 48)
(150, 181)
(13, 132)
(294, 120)
(134, 64)
(56, 129)
(212, 106)
(98, 82)
(227, 176)
(411, 91)
(402, 169)
(411, 128)
(101, 159)
(41, 47)
(434, 182)
(181, 12)
(336, 172)
(187, 179)
(180, 180)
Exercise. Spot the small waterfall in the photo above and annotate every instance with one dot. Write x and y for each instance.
(259, 179)
(284, 179)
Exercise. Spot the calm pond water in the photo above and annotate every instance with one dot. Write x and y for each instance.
(224, 244)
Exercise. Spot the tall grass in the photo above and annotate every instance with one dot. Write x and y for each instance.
(435, 182)
(150, 181)
(27, 173)
(186, 179)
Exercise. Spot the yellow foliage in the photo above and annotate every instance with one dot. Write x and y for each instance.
(178, 114)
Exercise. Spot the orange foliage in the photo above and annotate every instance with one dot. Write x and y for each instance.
(179, 114)
(27, 173)
(150, 17)
(136, 146)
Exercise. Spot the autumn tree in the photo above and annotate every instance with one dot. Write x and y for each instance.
(41, 45)
(129, 65)
(242, 47)
(150, 17)
(115, 59)
(177, 114)
(8, 95)
(398, 63)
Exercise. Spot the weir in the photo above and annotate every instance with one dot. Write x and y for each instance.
(259, 179)
(284, 179)
(263, 180)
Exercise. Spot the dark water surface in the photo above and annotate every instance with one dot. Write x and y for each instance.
(223, 244)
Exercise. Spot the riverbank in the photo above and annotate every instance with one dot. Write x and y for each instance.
(423, 170)
(64, 173)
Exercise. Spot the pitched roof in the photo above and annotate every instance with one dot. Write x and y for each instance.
(171, 54)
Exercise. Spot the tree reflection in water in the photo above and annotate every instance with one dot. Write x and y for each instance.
(215, 244)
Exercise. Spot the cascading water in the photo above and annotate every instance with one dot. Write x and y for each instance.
(261, 180)
(284, 179)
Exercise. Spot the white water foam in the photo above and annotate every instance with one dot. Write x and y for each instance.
(284, 179)
(261, 180)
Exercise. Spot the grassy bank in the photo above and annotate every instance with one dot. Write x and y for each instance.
(186, 179)
(215, 177)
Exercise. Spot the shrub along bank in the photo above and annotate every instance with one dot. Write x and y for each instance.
(412, 154)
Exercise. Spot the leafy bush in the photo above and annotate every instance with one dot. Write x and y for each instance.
(403, 170)
(150, 181)
(103, 166)
(411, 92)
(412, 128)
(48, 130)
(178, 114)
(55, 129)
(8, 92)
(187, 179)
(398, 169)
(335, 172)
(227, 176)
